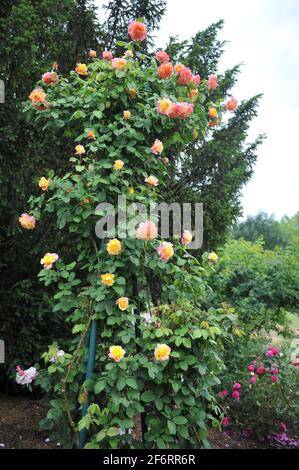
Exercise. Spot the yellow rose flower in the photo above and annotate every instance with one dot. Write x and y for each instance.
(81, 69)
(123, 303)
(127, 115)
(48, 260)
(108, 279)
(44, 183)
(213, 257)
(27, 221)
(162, 352)
(80, 150)
(152, 181)
(114, 247)
(116, 353)
(118, 165)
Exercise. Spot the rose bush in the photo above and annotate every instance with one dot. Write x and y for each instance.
(126, 120)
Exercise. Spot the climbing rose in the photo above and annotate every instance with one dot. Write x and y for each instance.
(164, 106)
(127, 115)
(236, 395)
(123, 303)
(260, 370)
(212, 82)
(147, 230)
(107, 55)
(165, 70)
(274, 378)
(118, 165)
(44, 183)
(165, 251)
(50, 78)
(27, 221)
(25, 377)
(92, 54)
(178, 68)
(185, 76)
(272, 352)
(193, 93)
(152, 181)
(251, 368)
(114, 247)
(81, 69)
(162, 352)
(231, 104)
(213, 257)
(48, 260)
(225, 421)
(186, 237)
(128, 55)
(236, 386)
(195, 79)
(119, 63)
(37, 95)
(162, 56)
(91, 135)
(180, 110)
(108, 279)
(80, 150)
(213, 113)
(137, 31)
(157, 147)
(116, 353)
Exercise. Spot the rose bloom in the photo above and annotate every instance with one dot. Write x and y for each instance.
(260, 370)
(147, 231)
(44, 183)
(236, 386)
(81, 69)
(127, 115)
(55, 66)
(152, 181)
(48, 260)
(25, 377)
(91, 135)
(37, 95)
(213, 257)
(212, 82)
(116, 353)
(186, 237)
(107, 55)
(195, 79)
(40, 106)
(272, 352)
(213, 113)
(157, 147)
(114, 247)
(80, 150)
(274, 378)
(162, 352)
(225, 421)
(180, 110)
(128, 55)
(223, 394)
(193, 93)
(251, 368)
(119, 63)
(252, 380)
(162, 56)
(165, 70)
(165, 160)
(122, 303)
(165, 251)
(164, 106)
(185, 76)
(178, 68)
(137, 31)
(50, 78)
(27, 221)
(132, 92)
(108, 279)
(92, 54)
(236, 395)
(118, 165)
(231, 104)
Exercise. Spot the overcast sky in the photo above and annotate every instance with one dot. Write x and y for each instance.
(264, 36)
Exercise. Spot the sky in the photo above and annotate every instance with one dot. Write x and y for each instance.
(263, 35)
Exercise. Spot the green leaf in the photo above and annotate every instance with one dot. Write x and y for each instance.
(148, 396)
(172, 427)
(180, 420)
(99, 386)
(121, 383)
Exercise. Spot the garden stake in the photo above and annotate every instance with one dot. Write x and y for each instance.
(138, 348)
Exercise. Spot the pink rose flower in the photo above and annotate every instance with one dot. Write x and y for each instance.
(137, 31)
(251, 368)
(195, 79)
(223, 394)
(107, 55)
(260, 370)
(236, 386)
(25, 377)
(162, 56)
(252, 380)
(236, 395)
(212, 82)
(50, 78)
(231, 104)
(185, 76)
(147, 231)
(225, 421)
(274, 378)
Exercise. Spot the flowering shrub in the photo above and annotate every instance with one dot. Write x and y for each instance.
(121, 117)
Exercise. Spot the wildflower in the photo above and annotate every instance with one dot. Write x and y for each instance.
(152, 181)
(165, 251)
(186, 237)
(108, 279)
(225, 421)
(27, 221)
(162, 352)
(80, 150)
(92, 54)
(25, 377)
(122, 303)
(212, 82)
(127, 115)
(231, 104)
(162, 56)
(185, 76)
(91, 135)
(50, 78)
(157, 147)
(165, 70)
(119, 63)
(118, 165)
(137, 31)
(107, 55)
(213, 113)
(147, 230)
(213, 257)
(116, 353)
(236, 395)
(164, 106)
(236, 386)
(223, 394)
(260, 370)
(81, 69)
(44, 183)
(114, 247)
(48, 260)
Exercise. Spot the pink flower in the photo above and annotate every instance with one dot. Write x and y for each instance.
(119, 63)
(185, 76)
(225, 421)
(107, 55)
(260, 370)
(165, 251)
(269, 353)
(164, 106)
(186, 237)
(137, 31)
(231, 104)
(157, 147)
(251, 368)
(162, 56)
(180, 110)
(275, 351)
(223, 394)
(25, 377)
(212, 82)
(252, 380)
(50, 78)
(236, 386)
(147, 231)
(274, 378)
(295, 362)
(165, 70)
(27, 221)
(236, 395)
